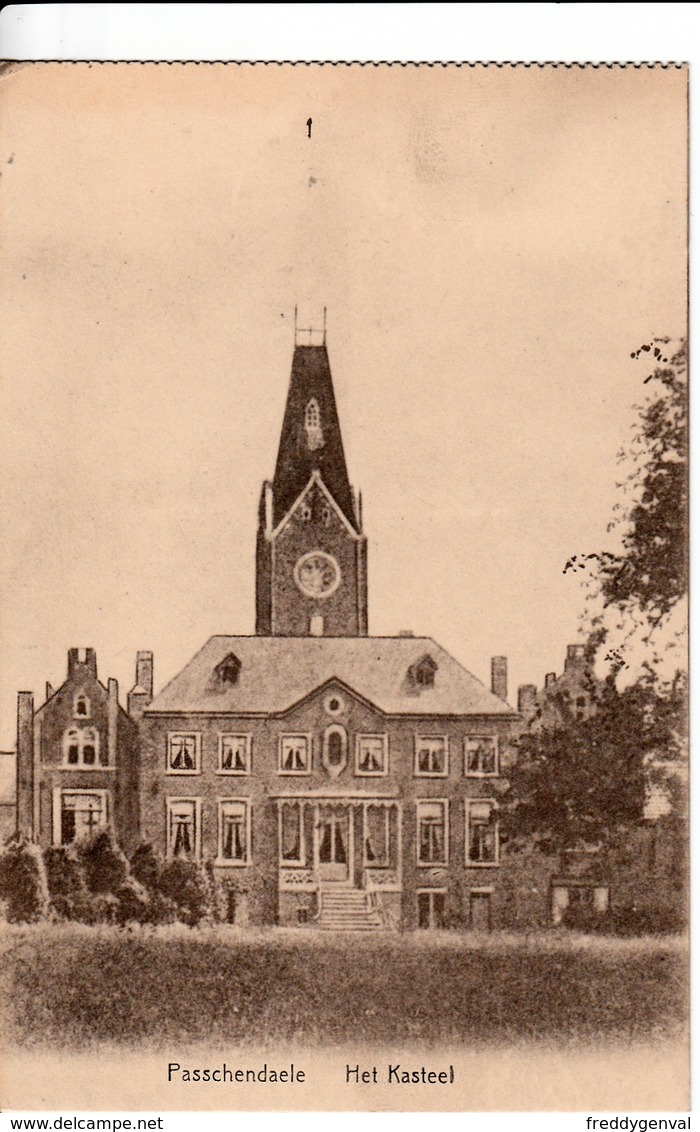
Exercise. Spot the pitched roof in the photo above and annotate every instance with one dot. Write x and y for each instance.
(277, 672)
(296, 460)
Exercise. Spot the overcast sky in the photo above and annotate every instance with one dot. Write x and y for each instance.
(491, 245)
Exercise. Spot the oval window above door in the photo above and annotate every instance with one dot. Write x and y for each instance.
(335, 750)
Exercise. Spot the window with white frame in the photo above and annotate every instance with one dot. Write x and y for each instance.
(312, 415)
(312, 425)
(334, 758)
(234, 831)
(183, 827)
(183, 752)
(81, 706)
(295, 754)
(377, 835)
(481, 832)
(480, 755)
(431, 755)
(431, 839)
(431, 907)
(234, 754)
(81, 747)
(291, 833)
(80, 813)
(371, 755)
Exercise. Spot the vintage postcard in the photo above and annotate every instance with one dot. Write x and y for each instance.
(344, 575)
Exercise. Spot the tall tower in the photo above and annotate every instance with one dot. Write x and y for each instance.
(311, 562)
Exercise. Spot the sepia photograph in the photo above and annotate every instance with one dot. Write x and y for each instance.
(344, 571)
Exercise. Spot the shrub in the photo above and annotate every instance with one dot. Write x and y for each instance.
(145, 866)
(650, 920)
(187, 885)
(625, 921)
(133, 904)
(105, 866)
(23, 883)
(91, 882)
(68, 891)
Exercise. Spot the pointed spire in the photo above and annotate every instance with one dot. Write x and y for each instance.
(311, 439)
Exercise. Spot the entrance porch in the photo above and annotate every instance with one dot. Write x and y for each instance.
(339, 860)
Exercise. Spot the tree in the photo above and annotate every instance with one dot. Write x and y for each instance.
(23, 883)
(585, 782)
(650, 575)
(638, 594)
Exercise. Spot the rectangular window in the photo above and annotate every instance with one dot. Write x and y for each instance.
(431, 842)
(480, 755)
(481, 833)
(184, 752)
(291, 834)
(234, 754)
(295, 754)
(377, 835)
(431, 908)
(234, 831)
(431, 755)
(183, 827)
(80, 813)
(371, 755)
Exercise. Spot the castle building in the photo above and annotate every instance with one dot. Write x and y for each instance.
(332, 777)
(328, 777)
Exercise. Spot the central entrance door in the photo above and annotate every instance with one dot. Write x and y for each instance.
(334, 844)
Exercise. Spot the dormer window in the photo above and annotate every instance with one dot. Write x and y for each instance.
(422, 673)
(81, 706)
(312, 425)
(228, 670)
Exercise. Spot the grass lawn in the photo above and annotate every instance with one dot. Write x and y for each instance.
(76, 986)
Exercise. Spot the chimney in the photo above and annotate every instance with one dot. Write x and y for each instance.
(49, 690)
(112, 720)
(405, 632)
(141, 694)
(25, 764)
(527, 699)
(82, 662)
(144, 672)
(499, 676)
(575, 657)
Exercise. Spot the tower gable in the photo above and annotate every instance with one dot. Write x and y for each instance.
(311, 439)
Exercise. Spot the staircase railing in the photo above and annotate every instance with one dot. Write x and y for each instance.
(319, 895)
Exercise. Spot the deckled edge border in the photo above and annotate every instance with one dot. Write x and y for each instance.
(648, 64)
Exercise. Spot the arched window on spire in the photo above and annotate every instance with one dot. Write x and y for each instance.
(312, 425)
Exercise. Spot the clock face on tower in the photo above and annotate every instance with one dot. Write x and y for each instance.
(317, 574)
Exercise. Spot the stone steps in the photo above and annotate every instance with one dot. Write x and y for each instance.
(348, 910)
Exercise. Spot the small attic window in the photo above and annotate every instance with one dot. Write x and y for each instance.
(312, 425)
(228, 670)
(81, 706)
(422, 673)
